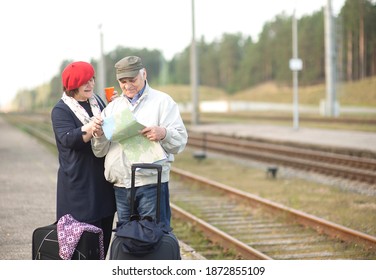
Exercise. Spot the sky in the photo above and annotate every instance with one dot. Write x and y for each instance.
(37, 36)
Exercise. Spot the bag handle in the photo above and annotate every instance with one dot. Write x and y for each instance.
(159, 185)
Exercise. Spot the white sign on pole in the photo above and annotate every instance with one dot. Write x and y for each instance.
(296, 64)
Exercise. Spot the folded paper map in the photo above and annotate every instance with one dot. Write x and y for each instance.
(123, 127)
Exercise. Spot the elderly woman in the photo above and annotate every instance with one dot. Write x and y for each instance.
(82, 189)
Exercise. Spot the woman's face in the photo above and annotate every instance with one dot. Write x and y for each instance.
(85, 91)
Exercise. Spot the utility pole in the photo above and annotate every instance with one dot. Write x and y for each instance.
(101, 68)
(296, 65)
(330, 63)
(194, 74)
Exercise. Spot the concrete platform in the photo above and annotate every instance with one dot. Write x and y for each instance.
(27, 191)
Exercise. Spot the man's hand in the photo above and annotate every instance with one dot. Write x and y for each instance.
(154, 133)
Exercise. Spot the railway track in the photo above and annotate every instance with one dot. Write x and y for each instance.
(260, 229)
(255, 228)
(344, 166)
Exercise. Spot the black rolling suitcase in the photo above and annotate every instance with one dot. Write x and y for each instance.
(45, 245)
(167, 248)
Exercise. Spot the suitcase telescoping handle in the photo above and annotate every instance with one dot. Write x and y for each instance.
(159, 185)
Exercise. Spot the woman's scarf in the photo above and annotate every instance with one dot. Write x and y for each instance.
(78, 110)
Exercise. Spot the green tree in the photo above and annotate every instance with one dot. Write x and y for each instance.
(359, 21)
(208, 57)
(230, 54)
(312, 48)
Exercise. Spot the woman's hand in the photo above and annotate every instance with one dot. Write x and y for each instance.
(97, 130)
(92, 128)
(114, 96)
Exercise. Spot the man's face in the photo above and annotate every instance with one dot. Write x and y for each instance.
(130, 86)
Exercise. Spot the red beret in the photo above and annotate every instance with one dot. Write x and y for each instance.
(76, 74)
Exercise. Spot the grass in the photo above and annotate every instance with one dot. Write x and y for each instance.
(361, 93)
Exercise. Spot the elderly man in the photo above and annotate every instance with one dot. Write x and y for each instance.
(160, 114)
